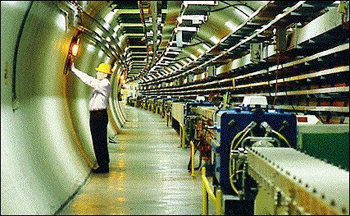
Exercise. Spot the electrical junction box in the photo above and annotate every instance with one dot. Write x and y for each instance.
(308, 120)
(256, 50)
(227, 123)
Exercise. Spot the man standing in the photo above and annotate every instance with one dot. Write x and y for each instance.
(98, 112)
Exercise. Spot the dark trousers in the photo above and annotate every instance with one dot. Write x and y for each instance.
(98, 128)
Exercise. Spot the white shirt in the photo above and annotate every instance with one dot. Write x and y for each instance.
(101, 90)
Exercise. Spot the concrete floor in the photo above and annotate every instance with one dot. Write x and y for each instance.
(148, 173)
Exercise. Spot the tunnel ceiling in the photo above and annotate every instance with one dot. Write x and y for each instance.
(162, 40)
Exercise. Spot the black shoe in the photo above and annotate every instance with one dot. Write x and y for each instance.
(101, 170)
(112, 140)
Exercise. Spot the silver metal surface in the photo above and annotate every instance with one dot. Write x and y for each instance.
(306, 182)
(207, 112)
(178, 112)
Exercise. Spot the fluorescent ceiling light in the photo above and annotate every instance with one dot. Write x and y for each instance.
(214, 39)
(100, 54)
(109, 17)
(194, 17)
(187, 28)
(132, 24)
(193, 56)
(106, 25)
(122, 37)
(206, 46)
(178, 65)
(183, 62)
(98, 31)
(171, 52)
(230, 24)
(162, 64)
(201, 51)
(97, 37)
(173, 48)
(167, 58)
(90, 48)
(186, 3)
(116, 28)
(169, 70)
(134, 34)
(137, 46)
(61, 22)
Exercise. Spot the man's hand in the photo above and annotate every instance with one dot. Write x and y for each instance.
(73, 68)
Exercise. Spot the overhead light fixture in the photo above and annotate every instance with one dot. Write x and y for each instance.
(193, 56)
(163, 72)
(116, 28)
(98, 31)
(97, 37)
(134, 34)
(196, 19)
(168, 70)
(100, 54)
(163, 64)
(173, 49)
(137, 47)
(183, 62)
(106, 25)
(172, 53)
(206, 46)
(200, 51)
(90, 47)
(178, 65)
(187, 28)
(230, 24)
(186, 3)
(109, 17)
(149, 34)
(214, 39)
(168, 58)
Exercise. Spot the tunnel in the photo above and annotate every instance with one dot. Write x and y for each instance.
(295, 54)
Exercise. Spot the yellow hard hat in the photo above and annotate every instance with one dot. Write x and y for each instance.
(104, 68)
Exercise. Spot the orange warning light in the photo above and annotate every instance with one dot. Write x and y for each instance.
(75, 48)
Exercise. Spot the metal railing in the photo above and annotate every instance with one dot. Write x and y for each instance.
(192, 159)
(207, 190)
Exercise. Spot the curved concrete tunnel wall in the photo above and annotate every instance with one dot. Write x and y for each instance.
(46, 147)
